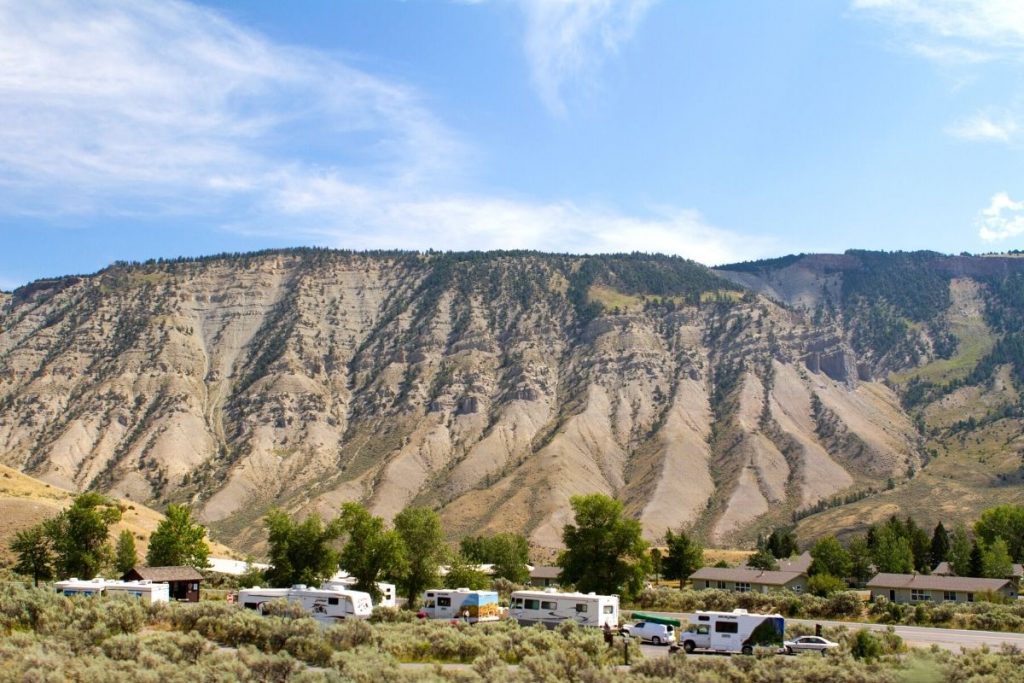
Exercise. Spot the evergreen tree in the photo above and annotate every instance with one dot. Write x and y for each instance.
(656, 559)
(424, 548)
(960, 551)
(684, 557)
(920, 546)
(178, 541)
(782, 543)
(125, 557)
(604, 551)
(763, 558)
(977, 561)
(940, 545)
(34, 550)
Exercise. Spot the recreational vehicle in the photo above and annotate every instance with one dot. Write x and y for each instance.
(146, 591)
(736, 631)
(86, 587)
(326, 606)
(344, 582)
(460, 603)
(551, 608)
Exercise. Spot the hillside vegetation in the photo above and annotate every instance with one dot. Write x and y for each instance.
(495, 386)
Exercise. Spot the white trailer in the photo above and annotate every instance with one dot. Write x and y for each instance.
(460, 603)
(85, 587)
(736, 631)
(146, 591)
(342, 581)
(326, 606)
(552, 608)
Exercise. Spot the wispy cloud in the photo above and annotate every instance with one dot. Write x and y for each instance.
(567, 40)
(1004, 218)
(991, 24)
(160, 107)
(986, 126)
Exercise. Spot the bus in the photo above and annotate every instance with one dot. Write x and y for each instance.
(551, 608)
(736, 631)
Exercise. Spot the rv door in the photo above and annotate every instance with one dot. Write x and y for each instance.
(725, 636)
(444, 607)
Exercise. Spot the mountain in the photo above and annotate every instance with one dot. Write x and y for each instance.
(494, 386)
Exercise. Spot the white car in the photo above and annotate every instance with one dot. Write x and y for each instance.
(658, 634)
(808, 644)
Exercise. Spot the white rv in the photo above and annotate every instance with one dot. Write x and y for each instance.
(342, 581)
(460, 603)
(736, 631)
(551, 608)
(326, 606)
(146, 591)
(86, 587)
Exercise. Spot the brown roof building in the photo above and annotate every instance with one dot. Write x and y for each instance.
(544, 577)
(182, 582)
(744, 579)
(935, 588)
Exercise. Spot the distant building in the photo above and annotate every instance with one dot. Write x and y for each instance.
(798, 563)
(747, 579)
(944, 569)
(223, 565)
(936, 588)
(544, 577)
(183, 582)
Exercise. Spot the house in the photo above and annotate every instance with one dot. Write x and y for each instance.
(935, 588)
(798, 563)
(544, 577)
(182, 582)
(747, 579)
(944, 569)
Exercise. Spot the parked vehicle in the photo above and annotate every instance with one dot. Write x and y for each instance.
(809, 644)
(657, 634)
(551, 608)
(146, 591)
(460, 603)
(736, 631)
(342, 581)
(326, 606)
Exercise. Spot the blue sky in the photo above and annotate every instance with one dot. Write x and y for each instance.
(719, 130)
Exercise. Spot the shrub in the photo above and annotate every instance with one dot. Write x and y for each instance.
(865, 646)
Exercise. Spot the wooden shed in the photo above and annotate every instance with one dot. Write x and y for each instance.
(183, 582)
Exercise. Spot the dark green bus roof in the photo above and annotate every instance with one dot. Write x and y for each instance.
(654, 619)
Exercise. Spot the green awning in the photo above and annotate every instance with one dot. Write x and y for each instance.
(654, 619)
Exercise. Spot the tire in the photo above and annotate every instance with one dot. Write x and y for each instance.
(655, 640)
(688, 647)
(824, 652)
(747, 650)
(789, 650)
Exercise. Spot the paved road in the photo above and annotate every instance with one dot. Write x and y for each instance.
(915, 636)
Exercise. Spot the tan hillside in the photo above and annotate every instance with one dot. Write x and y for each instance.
(25, 502)
(492, 387)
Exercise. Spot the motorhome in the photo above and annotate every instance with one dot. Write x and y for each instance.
(460, 603)
(736, 631)
(552, 608)
(326, 606)
(342, 581)
(146, 591)
(86, 587)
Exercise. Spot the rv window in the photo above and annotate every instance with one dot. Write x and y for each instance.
(251, 605)
(549, 605)
(702, 630)
(703, 618)
(608, 609)
(444, 602)
(332, 601)
(532, 604)
(517, 603)
(581, 607)
(727, 627)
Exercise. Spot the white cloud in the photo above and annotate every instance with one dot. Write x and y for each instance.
(984, 126)
(567, 40)
(147, 107)
(990, 23)
(1002, 219)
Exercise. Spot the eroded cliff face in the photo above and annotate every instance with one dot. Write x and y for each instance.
(491, 387)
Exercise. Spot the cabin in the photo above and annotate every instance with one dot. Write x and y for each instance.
(182, 582)
(931, 588)
(748, 580)
(545, 577)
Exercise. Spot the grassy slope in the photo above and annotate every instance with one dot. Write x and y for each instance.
(25, 501)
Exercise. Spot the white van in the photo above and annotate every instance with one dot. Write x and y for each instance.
(657, 634)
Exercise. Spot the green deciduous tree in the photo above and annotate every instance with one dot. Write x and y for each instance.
(604, 551)
(960, 551)
(371, 551)
(763, 558)
(80, 533)
(300, 552)
(685, 556)
(34, 550)
(996, 562)
(508, 552)
(892, 552)
(861, 564)
(125, 556)
(178, 541)
(464, 573)
(825, 585)
(830, 557)
(423, 541)
(1005, 522)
